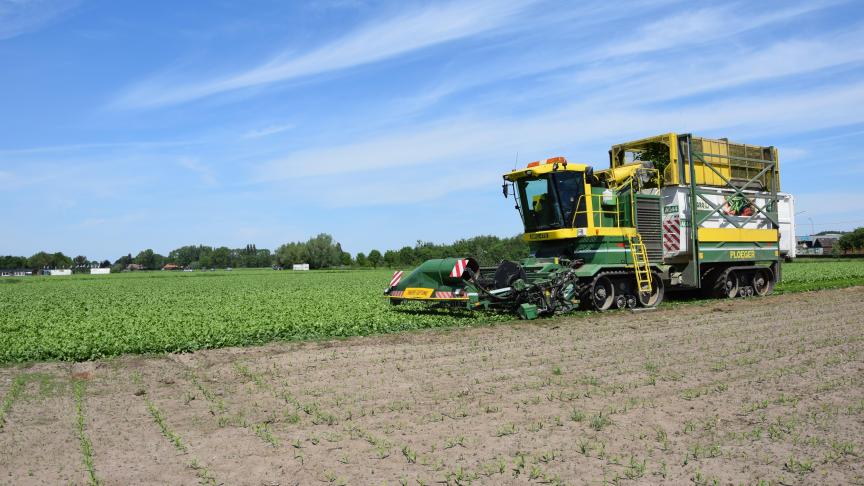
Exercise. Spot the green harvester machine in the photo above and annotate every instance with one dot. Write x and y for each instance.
(672, 212)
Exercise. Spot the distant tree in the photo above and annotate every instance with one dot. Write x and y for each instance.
(336, 255)
(149, 260)
(406, 256)
(360, 260)
(50, 260)
(290, 253)
(323, 252)
(391, 258)
(346, 259)
(851, 241)
(375, 258)
(105, 264)
(263, 258)
(185, 255)
(247, 257)
(61, 260)
(205, 260)
(10, 261)
(221, 257)
(425, 250)
(124, 260)
(80, 261)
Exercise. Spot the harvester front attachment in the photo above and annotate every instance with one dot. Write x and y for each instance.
(529, 288)
(444, 280)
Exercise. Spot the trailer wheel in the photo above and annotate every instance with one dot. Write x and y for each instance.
(763, 283)
(726, 285)
(655, 297)
(602, 293)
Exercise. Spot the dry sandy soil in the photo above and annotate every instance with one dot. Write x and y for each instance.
(760, 391)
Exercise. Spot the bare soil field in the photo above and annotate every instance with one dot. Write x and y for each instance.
(758, 391)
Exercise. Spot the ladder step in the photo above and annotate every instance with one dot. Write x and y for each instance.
(640, 263)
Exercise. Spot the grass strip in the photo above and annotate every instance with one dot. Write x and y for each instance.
(79, 389)
(203, 474)
(14, 392)
(163, 426)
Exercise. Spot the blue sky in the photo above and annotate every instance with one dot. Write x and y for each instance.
(132, 125)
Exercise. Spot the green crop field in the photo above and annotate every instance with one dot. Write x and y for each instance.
(821, 274)
(87, 317)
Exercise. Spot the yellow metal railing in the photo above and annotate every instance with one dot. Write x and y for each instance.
(590, 213)
(630, 183)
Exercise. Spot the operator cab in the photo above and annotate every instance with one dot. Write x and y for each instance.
(550, 195)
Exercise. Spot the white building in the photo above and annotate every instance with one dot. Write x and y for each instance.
(300, 266)
(100, 271)
(15, 272)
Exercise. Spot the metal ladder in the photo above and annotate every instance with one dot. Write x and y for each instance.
(640, 263)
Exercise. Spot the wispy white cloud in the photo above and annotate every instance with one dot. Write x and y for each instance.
(448, 141)
(469, 141)
(78, 147)
(701, 26)
(22, 16)
(116, 221)
(204, 172)
(602, 71)
(345, 191)
(632, 85)
(385, 39)
(791, 154)
(267, 131)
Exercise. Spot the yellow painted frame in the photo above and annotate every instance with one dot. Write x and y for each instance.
(737, 235)
(704, 176)
(426, 298)
(570, 233)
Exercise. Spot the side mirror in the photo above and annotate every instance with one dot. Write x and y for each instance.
(506, 189)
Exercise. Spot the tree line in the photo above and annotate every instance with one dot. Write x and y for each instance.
(320, 251)
(853, 241)
(51, 260)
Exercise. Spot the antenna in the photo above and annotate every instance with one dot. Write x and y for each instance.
(516, 162)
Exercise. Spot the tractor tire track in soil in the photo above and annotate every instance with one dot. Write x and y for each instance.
(734, 391)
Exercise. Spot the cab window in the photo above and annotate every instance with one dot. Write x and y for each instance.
(571, 187)
(540, 210)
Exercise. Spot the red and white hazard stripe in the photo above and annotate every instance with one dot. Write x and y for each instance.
(397, 277)
(443, 295)
(459, 268)
(396, 293)
(672, 234)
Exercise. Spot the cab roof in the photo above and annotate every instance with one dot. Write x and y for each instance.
(555, 164)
